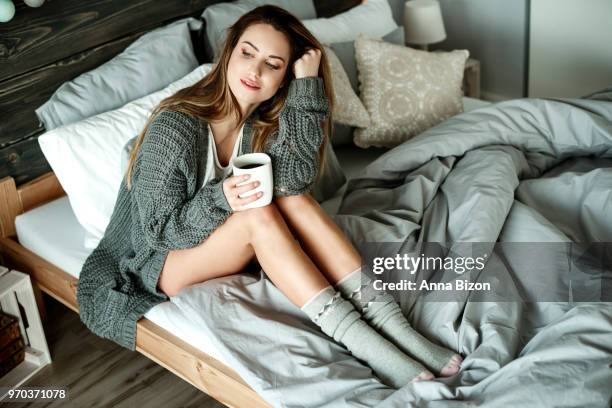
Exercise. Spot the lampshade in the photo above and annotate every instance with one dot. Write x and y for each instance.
(7, 10)
(423, 22)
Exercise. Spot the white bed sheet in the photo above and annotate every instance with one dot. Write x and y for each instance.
(53, 232)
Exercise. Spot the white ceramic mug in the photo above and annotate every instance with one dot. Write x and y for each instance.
(262, 172)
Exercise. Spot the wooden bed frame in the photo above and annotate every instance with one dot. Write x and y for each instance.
(201, 370)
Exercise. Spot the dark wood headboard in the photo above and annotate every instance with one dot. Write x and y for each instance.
(41, 48)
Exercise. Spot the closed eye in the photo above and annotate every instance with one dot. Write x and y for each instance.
(272, 66)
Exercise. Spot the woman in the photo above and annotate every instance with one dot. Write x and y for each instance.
(180, 208)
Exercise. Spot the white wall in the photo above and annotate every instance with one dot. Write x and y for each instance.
(570, 47)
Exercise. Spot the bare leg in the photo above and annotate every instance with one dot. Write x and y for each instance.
(208, 260)
(260, 231)
(322, 239)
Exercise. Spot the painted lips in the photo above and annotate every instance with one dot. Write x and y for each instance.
(251, 87)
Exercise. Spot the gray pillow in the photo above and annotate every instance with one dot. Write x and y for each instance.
(219, 17)
(342, 134)
(150, 63)
(373, 18)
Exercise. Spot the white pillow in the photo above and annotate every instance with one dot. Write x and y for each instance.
(373, 18)
(86, 155)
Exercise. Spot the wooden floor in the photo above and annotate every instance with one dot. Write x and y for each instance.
(98, 373)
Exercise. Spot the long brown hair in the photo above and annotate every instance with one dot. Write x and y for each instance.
(211, 97)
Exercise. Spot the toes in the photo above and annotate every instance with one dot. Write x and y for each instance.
(424, 376)
(452, 367)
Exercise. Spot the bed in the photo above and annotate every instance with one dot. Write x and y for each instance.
(253, 347)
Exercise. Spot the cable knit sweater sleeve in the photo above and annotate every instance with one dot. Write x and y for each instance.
(294, 152)
(172, 217)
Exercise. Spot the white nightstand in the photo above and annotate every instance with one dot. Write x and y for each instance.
(15, 290)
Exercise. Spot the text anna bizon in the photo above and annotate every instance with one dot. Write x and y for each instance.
(459, 284)
(412, 264)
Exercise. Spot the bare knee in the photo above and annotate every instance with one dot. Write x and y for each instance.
(261, 218)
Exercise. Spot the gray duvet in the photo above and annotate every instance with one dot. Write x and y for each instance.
(530, 171)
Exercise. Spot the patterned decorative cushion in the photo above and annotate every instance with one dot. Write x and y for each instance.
(348, 109)
(405, 90)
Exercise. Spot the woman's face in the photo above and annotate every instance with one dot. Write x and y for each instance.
(257, 65)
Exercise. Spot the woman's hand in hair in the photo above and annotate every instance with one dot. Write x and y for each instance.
(308, 64)
(231, 191)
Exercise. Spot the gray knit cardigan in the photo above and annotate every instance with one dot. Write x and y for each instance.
(166, 209)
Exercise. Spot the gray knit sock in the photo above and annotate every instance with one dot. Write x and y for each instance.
(383, 313)
(338, 319)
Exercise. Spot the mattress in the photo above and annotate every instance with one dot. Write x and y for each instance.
(53, 232)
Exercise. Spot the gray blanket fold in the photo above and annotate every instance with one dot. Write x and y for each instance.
(532, 177)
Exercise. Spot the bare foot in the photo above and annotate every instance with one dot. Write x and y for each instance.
(452, 367)
(424, 376)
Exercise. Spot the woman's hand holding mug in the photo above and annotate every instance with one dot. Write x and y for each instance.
(232, 191)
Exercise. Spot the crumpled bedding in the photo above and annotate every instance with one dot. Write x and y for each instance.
(522, 175)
